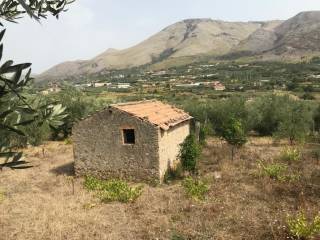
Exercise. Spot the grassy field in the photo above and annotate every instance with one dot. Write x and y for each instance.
(47, 202)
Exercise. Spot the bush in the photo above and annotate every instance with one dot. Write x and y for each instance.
(205, 131)
(113, 190)
(195, 188)
(37, 134)
(300, 228)
(290, 154)
(274, 171)
(189, 153)
(279, 172)
(296, 122)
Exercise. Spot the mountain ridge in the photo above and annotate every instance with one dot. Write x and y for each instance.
(275, 39)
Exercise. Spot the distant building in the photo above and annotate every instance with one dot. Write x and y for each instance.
(54, 88)
(135, 140)
(218, 86)
(123, 85)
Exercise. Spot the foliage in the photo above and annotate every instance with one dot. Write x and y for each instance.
(205, 131)
(189, 153)
(11, 10)
(266, 113)
(15, 110)
(302, 229)
(234, 133)
(78, 105)
(295, 123)
(195, 188)
(113, 190)
(226, 112)
(274, 171)
(290, 154)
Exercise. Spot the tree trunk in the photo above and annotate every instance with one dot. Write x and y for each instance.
(232, 153)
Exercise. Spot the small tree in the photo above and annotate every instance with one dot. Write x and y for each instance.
(189, 153)
(234, 133)
(295, 123)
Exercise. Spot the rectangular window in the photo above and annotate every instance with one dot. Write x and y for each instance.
(129, 136)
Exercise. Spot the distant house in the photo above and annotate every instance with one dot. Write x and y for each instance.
(54, 88)
(218, 86)
(135, 140)
(123, 85)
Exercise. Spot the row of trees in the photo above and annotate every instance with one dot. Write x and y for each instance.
(270, 115)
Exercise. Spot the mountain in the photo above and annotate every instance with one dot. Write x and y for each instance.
(291, 39)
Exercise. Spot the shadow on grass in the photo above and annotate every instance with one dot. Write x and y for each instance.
(66, 169)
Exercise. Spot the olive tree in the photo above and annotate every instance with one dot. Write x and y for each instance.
(15, 110)
(234, 132)
(296, 122)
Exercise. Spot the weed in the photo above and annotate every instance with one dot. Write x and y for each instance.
(68, 141)
(89, 206)
(290, 154)
(274, 171)
(113, 190)
(93, 184)
(195, 188)
(300, 228)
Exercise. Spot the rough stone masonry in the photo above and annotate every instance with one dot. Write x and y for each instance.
(135, 141)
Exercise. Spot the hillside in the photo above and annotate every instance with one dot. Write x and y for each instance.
(291, 39)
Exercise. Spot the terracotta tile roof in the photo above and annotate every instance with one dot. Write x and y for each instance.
(156, 112)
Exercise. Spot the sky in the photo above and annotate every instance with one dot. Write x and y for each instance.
(90, 27)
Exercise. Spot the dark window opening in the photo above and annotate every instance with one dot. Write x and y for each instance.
(128, 136)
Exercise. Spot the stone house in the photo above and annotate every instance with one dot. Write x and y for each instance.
(135, 141)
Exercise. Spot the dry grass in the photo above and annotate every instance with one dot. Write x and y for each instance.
(39, 202)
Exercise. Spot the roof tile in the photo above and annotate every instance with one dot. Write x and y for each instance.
(156, 112)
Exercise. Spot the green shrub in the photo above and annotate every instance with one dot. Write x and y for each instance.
(205, 131)
(300, 228)
(279, 172)
(195, 188)
(274, 171)
(68, 141)
(37, 134)
(189, 153)
(290, 154)
(113, 190)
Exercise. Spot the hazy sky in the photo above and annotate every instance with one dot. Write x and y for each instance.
(92, 26)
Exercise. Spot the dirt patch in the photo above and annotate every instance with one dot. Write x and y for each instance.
(39, 202)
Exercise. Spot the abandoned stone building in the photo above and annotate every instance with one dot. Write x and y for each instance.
(134, 141)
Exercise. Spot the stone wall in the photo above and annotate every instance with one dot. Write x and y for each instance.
(169, 145)
(99, 149)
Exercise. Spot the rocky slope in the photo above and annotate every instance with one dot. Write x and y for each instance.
(294, 38)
